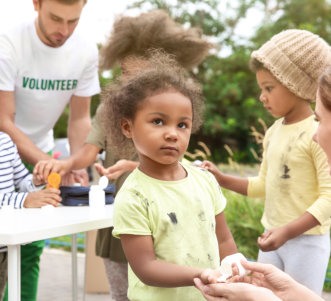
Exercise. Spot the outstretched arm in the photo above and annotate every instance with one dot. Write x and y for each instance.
(139, 251)
(83, 158)
(116, 170)
(233, 183)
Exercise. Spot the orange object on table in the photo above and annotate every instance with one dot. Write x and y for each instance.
(54, 180)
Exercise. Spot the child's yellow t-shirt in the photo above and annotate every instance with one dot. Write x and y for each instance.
(294, 176)
(180, 217)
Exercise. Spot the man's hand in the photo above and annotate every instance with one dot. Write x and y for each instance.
(76, 176)
(116, 170)
(44, 168)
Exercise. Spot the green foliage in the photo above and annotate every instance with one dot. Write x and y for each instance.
(232, 105)
(312, 15)
(327, 284)
(230, 89)
(243, 217)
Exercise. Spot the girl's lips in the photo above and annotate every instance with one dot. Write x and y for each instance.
(169, 148)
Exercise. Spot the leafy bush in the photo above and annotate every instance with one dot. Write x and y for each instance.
(243, 217)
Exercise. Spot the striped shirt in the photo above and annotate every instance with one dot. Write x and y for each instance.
(13, 176)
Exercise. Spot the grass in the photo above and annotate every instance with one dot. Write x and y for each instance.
(64, 242)
(243, 217)
(327, 283)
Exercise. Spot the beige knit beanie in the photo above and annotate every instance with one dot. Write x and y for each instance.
(296, 58)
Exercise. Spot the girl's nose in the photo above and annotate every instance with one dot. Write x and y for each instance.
(262, 98)
(171, 134)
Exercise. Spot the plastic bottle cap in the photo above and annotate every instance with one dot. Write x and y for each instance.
(103, 182)
(54, 180)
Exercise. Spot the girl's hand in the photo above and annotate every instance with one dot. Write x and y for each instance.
(210, 166)
(37, 199)
(273, 239)
(209, 276)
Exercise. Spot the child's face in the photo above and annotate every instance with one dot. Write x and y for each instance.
(323, 133)
(276, 98)
(161, 128)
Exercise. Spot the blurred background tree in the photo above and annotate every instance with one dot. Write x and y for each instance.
(230, 89)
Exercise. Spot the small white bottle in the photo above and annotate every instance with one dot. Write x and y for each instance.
(97, 195)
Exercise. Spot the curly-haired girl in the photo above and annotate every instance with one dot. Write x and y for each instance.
(166, 244)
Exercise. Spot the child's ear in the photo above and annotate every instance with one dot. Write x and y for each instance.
(126, 126)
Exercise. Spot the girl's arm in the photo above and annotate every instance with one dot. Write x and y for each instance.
(233, 183)
(139, 251)
(226, 243)
(275, 238)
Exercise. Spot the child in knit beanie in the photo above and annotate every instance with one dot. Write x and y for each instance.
(294, 176)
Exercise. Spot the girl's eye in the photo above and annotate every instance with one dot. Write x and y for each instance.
(182, 125)
(268, 88)
(158, 121)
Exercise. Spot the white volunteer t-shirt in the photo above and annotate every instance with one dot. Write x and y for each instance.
(45, 78)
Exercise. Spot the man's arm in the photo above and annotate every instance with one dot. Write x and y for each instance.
(79, 123)
(28, 151)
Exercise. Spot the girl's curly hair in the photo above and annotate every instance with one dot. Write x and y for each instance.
(122, 100)
(155, 29)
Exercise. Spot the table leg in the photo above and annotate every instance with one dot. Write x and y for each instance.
(74, 267)
(84, 286)
(14, 273)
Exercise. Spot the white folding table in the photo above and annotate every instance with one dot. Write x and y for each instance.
(21, 226)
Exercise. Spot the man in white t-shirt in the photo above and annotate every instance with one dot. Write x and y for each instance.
(45, 65)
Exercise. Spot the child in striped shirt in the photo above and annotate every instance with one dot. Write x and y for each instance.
(18, 189)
